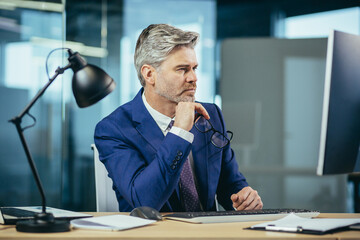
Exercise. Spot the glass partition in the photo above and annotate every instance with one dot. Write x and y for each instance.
(105, 33)
(22, 74)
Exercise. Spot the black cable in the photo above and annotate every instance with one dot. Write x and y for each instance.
(47, 58)
(47, 73)
(31, 125)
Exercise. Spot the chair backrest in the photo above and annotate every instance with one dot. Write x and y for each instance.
(105, 196)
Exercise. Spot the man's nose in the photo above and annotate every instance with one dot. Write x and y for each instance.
(191, 77)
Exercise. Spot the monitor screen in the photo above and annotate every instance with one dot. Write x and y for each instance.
(340, 127)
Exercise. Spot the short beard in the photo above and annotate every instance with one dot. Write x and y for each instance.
(176, 99)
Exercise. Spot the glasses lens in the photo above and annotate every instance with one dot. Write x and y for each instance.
(202, 124)
(219, 140)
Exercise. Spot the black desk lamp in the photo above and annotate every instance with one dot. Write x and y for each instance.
(90, 84)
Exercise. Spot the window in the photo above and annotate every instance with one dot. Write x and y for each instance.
(319, 24)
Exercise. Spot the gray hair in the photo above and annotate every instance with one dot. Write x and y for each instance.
(156, 42)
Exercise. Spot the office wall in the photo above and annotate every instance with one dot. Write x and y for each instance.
(271, 99)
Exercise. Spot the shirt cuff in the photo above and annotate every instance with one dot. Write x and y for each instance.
(188, 136)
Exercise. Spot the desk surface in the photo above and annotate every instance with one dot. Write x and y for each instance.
(168, 229)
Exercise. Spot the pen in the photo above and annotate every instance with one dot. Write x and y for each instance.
(285, 229)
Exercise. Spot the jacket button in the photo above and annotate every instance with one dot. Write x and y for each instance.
(179, 153)
(177, 158)
(173, 166)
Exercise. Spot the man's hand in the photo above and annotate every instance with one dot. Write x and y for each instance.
(246, 199)
(185, 114)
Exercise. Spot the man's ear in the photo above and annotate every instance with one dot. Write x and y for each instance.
(149, 74)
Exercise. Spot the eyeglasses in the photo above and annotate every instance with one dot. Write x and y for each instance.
(218, 139)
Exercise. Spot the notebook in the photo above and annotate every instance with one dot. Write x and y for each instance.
(10, 215)
(112, 222)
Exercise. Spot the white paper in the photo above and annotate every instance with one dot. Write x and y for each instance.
(293, 223)
(111, 222)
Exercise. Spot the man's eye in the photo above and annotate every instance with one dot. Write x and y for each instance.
(182, 69)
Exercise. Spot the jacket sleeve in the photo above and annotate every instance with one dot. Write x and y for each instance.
(140, 181)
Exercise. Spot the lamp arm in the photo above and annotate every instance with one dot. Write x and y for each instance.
(17, 121)
(58, 71)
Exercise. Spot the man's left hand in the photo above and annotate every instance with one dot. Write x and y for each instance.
(246, 199)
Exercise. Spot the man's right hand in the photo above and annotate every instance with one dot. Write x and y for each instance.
(185, 114)
(246, 199)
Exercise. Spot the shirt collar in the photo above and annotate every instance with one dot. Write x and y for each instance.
(161, 120)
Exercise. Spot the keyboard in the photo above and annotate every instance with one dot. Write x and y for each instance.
(239, 216)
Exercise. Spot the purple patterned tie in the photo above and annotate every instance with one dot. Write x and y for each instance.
(188, 190)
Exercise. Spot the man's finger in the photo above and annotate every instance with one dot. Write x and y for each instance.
(234, 197)
(259, 205)
(252, 194)
(246, 191)
(253, 202)
(241, 196)
(200, 109)
(245, 204)
(236, 200)
(256, 204)
(252, 205)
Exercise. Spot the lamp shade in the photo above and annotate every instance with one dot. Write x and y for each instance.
(89, 83)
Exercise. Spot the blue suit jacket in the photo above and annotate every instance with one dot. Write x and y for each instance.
(145, 165)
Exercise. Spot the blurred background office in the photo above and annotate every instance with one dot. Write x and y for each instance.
(276, 120)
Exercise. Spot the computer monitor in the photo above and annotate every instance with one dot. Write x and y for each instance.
(340, 127)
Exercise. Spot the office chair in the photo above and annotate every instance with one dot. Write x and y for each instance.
(105, 196)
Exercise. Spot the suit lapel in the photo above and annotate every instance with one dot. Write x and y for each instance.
(146, 125)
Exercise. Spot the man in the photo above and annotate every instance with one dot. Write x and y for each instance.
(150, 147)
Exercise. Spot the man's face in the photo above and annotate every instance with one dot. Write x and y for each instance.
(176, 79)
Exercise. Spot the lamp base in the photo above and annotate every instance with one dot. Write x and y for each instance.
(43, 223)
